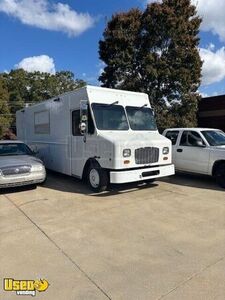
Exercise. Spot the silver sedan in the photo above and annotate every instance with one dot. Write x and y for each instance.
(19, 166)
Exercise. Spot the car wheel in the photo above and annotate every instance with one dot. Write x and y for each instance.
(33, 186)
(220, 175)
(43, 182)
(97, 178)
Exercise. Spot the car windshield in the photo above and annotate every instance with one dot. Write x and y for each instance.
(7, 149)
(141, 118)
(110, 117)
(214, 138)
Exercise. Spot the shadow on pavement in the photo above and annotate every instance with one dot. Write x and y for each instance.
(70, 184)
(64, 183)
(193, 180)
(17, 189)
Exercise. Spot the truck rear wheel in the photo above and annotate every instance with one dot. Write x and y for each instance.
(97, 178)
(220, 175)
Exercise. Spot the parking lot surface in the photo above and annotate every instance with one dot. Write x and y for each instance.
(157, 241)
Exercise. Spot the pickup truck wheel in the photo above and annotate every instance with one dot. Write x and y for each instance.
(220, 175)
(97, 178)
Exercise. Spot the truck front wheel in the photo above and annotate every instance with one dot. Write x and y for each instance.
(97, 178)
(220, 175)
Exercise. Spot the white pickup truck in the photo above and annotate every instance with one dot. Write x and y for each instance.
(198, 150)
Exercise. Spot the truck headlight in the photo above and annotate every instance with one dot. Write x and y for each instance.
(166, 150)
(126, 152)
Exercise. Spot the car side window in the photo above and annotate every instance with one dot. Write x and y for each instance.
(172, 135)
(183, 140)
(191, 139)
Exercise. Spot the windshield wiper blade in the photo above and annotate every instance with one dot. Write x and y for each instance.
(143, 106)
(116, 102)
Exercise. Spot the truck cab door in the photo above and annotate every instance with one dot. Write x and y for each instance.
(81, 144)
(192, 154)
(77, 145)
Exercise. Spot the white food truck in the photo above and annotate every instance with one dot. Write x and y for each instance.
(98, 134)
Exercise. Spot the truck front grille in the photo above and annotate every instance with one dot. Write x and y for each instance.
(147, 155)
(16, 170)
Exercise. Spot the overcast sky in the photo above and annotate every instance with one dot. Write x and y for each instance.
(51, 36)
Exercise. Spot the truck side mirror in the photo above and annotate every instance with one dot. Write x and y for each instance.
(83, 116)
(35, 152)
(83, 128)
(199, 143)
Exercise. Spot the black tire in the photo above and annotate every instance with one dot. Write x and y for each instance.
(32, 186)
(150, 181)
(43, 182)
(97, 178)
(220, 175)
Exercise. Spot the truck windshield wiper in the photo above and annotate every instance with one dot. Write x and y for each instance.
(116, 102)
(143, 106)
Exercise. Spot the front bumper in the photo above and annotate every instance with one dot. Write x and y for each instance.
(23, 179)
(141, 174)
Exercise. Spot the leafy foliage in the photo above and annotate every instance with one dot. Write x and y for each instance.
(156, 52)
(119, 50)
(19, 88)
(4, 107)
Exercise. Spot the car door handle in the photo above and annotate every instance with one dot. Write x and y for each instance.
(179, 150)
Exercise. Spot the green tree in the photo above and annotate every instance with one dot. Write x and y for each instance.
(118, 50)
(17, 85)
(5, 117)
(29, 88)
(44, 85)
(165, 61)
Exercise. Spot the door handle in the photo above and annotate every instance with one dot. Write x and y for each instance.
(179, 150)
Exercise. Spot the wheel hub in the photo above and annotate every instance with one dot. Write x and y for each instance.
(94, 178)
